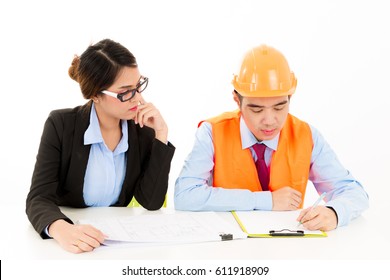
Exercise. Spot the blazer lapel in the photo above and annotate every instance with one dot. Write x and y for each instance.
(80, 154)
(132, 166)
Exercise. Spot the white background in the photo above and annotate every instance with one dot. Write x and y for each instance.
(339, 51)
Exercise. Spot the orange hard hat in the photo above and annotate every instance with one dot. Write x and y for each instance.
(264, 72)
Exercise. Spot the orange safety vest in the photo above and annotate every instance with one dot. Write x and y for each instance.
(234, 167)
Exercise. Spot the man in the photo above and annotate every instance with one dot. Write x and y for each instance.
(260, 157)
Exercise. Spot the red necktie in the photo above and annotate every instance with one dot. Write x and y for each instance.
(262, 169)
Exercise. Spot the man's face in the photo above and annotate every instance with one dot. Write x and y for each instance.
(264, 116)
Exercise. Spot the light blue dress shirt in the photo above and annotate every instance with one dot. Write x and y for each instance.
(194, 191)
(106, 169)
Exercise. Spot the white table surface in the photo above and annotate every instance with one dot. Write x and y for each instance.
(364, 238)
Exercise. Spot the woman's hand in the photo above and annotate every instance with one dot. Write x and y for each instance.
(149, 115)
(76, 238)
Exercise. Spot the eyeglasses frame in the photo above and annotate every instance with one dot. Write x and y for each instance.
(133, 91)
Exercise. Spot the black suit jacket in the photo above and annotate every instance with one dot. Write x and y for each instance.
(58, 177)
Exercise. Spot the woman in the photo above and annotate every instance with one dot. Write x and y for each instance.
(102, 153)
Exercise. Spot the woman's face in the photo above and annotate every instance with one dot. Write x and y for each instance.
(111, 107)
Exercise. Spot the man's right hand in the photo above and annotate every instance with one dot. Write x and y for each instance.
(286, 198)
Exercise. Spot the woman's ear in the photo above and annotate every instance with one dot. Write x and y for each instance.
(95, 99)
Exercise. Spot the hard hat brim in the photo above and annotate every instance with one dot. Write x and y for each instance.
(252, 89)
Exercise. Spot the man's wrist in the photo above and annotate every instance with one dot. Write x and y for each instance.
(337, 218)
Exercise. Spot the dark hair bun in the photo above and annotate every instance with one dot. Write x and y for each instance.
(73, 69)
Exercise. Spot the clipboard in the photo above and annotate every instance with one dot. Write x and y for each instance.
(271, 224)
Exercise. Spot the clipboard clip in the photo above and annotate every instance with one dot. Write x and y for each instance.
(286, 232)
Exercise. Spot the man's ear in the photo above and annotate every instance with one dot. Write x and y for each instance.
(236, 99)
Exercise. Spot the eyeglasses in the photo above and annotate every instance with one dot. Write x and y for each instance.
(129, 94)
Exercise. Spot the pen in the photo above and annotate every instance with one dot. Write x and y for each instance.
(313, 206)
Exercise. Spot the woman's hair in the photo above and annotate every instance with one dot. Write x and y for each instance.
(99, 65)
